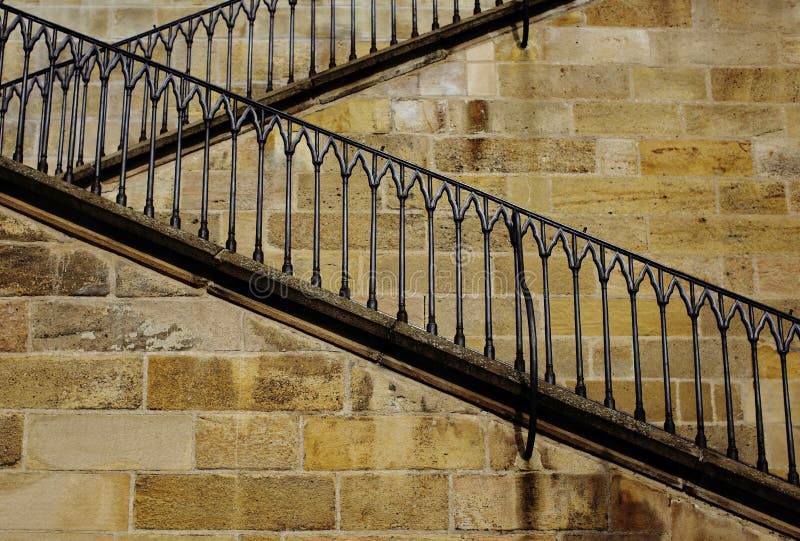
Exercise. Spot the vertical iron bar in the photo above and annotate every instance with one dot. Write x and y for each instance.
(431, 325)
(122, 198)
(402, 314)
(292, 5)
(312, 70)
(316, 279)
(230, 243)
(459, 337)
(229, 61)
(633, 291)
(101, 128)
(477, 8)
(175, 218)
(287, 239)
(151, 166)
(609, 398)
(250, 23)
(787, 410)
(47, 110)
(344, 290)
(203, 231)
(761, 461)
(700, 439)
(669, 423)
(549, 374)
(575, 267)
(27, 46)
(271, 52)
(332, 62)
(393, 39)
(165, 114)
(372, 301)
(435, 24)
(82, 137)
(456, 15)
(516, 242)
(414, 29)
(488, 348)
(63, 124)
(73, 124)
(258, 251)
(373, 47)
(352, 30)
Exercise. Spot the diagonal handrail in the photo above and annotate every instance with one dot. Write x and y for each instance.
(282, 142)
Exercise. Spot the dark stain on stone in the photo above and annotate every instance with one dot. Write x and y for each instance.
(477, 115)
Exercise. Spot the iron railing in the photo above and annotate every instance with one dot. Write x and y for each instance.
(322, 205)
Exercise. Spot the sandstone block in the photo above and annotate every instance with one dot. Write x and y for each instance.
(637, 506)
(672, 83)
(418, 116)
(64, 501)
(354, 115)
(232, 502)
(732, 120)
(703, 523)
(394, 501)
(596, 45)
(701, 47)
(507, 116)
(92, 383)
(310, 381)
(265, 335)
(515, 155)
(778, 159)
(622, 118)
(567, 82)
(633, 196)
(179, 537)
(745, 197)
(429, 442)
(756, 84)
(545, 501)
(10, 440)
(137, 281)
(617, 157)
(443, 79)
(247, 442)
(16, 227)
(695, 158)
(41, 536)
(740, 14)
(14, 335)
(722, 235)
(110, 442)
(36, 270)
(641, 13)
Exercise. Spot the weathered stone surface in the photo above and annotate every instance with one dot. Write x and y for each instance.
(265, 335)
(418, 442)
(137, 281)
(14, 333)
(248, 442)
(92, 383)
(777, 158)
(702, 523)
(374, 389)
(747, 197)
(617, 157)
(682, 48)
(443, 79)
(672, 83)
(621, 118)
(567, 82)
(515, 155)
(41, 536)
(36, 270)
(418, 116)
(354, 115)
(508, 116)
(234, 502)
(110, 442)
(145, 324)
(179, 537)
(64, 501)
(596, 45)
(312, 381)
(15, 227)
(642, 13)
(536, 500)
(633, 196)
(702, 158)
(756, 84)
(505, 445)
(10, 440)
(773, 15)
(637, 506)
(732, 120)
(394, 501)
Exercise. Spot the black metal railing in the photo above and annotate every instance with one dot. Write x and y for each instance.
(386, 232)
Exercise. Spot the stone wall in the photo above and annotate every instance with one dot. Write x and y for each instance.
(135, 407)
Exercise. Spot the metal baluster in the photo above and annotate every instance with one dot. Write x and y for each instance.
(101, 125)
(292, 5)
(435, 24)
(604, 276)
(73, 118)
(344, 290)
(251, 19)
(312, 70)
(82, 136)
(669, 424)
(151, 166)
(787, 410)
(575, 267)
(477, 8)
(271, 52)
(761, 461)
(458, 219)
(633, 291)
(332, 62)
(47, 107)
(287, 239)
(372, 301)
(209, 46)
(143, 134)
(184, 83)
(316, 279)
(456, 15)
(258, 252)
(488, 348)
(393, 40)
(430, 206)
(165, 113)
(373, 48)
(203, 231)
(516, 242)
(544, 254)
(700, 439)
(229, 61)
(722, 324)
(352, 30)
(122, 197)
(230, 243)
(402, 315)
(175, 218)
(414, 29)
(63, 123)
(27, 46)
